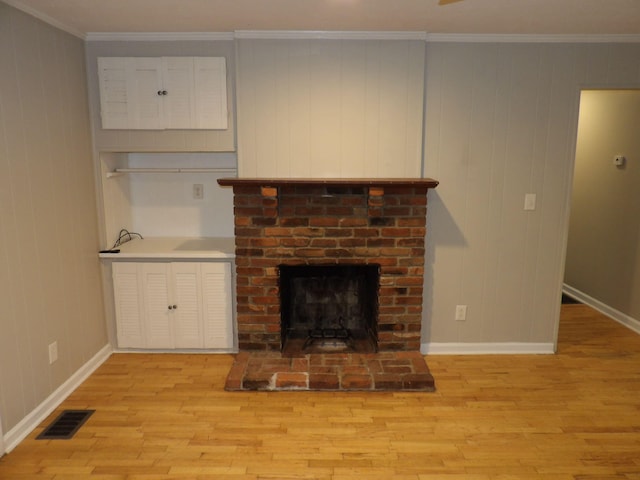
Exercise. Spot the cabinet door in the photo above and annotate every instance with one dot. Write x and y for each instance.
(187, 313)
(210, 75)
(115, 93)
(179, 101)
(158, 316)
(217, 303)
(147, 93)
(128, 305)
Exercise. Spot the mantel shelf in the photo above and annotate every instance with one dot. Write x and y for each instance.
(344, 182)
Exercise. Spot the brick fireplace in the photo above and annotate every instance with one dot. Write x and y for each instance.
(330, 222)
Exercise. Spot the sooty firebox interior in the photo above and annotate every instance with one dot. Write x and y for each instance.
(329, 308)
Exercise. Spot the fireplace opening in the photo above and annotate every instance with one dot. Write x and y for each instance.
(329, 308)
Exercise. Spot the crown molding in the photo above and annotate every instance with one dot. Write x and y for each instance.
(531, 38)
(329, 35)
(45, 18)
(156, 36)
(355, 35)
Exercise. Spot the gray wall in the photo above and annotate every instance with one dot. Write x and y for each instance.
(603, 254)
(49, 270)
(501, 121)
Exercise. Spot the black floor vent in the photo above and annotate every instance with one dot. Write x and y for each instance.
(66, 425)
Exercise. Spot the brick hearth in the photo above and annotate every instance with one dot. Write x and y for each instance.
(329, 221)
(383, 371)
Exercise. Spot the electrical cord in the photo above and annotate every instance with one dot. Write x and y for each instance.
(124, 236)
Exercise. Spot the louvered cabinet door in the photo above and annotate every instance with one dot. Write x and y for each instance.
(187, 308)
(147, 88)
(210, 93)
(158, 309)
(179, 101)
(217, 302)
(114, 76)
(128, 305)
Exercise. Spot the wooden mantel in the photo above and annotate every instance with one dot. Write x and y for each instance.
(344, 182)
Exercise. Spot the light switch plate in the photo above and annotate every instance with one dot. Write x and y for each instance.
(530, 201)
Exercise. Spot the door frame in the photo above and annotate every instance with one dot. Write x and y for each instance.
(1, 439)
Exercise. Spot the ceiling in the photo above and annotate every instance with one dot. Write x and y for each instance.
(531, 17)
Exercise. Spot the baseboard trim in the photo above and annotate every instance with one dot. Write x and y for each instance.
(622, 318)
(18, 433)
(489, 348)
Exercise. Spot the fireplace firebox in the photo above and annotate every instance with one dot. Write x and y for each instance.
(329, 308)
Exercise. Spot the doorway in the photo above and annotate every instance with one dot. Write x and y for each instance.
(602, 267)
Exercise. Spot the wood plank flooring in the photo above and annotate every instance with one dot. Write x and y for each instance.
(570, 416)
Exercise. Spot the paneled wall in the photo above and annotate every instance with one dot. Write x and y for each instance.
(49, 269)
(161, 140)
(330, 108)
(501, 122)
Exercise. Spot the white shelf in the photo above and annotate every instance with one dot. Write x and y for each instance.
(201, 248)
(121, 171)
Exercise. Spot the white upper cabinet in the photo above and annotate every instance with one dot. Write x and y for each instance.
(156, 93)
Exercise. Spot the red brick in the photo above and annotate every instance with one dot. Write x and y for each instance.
(266, 300)
(323, 222)
(309, 252)
(276, 232)
(356, 382)
(412, 222)
(324, 242)
(395, 211)
(318, 381)
(395, 252)
(291, 380)
(269, 192)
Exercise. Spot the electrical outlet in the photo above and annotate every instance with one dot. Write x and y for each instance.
(198, 191)
(53, 352)
(461, 312)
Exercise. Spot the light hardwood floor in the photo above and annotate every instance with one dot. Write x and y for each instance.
(574, 415)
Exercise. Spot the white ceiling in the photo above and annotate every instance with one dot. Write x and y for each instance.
(545, 17)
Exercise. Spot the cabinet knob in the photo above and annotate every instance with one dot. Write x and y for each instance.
(175, 307)
(170, 307)
(159, 92)
(164, 92)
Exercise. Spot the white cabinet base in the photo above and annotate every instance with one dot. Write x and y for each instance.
(174, 305)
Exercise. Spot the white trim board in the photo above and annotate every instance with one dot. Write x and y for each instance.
(157, 36)
(330, 34)
(361, 35)
(530, 38)
(18, 433)
(497, 348)
(622, 318)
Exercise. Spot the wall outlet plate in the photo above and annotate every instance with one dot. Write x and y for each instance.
(461, 312)
(198, 191)
(619, 160)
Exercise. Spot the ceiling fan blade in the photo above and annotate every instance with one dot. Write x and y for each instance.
(447, 2)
